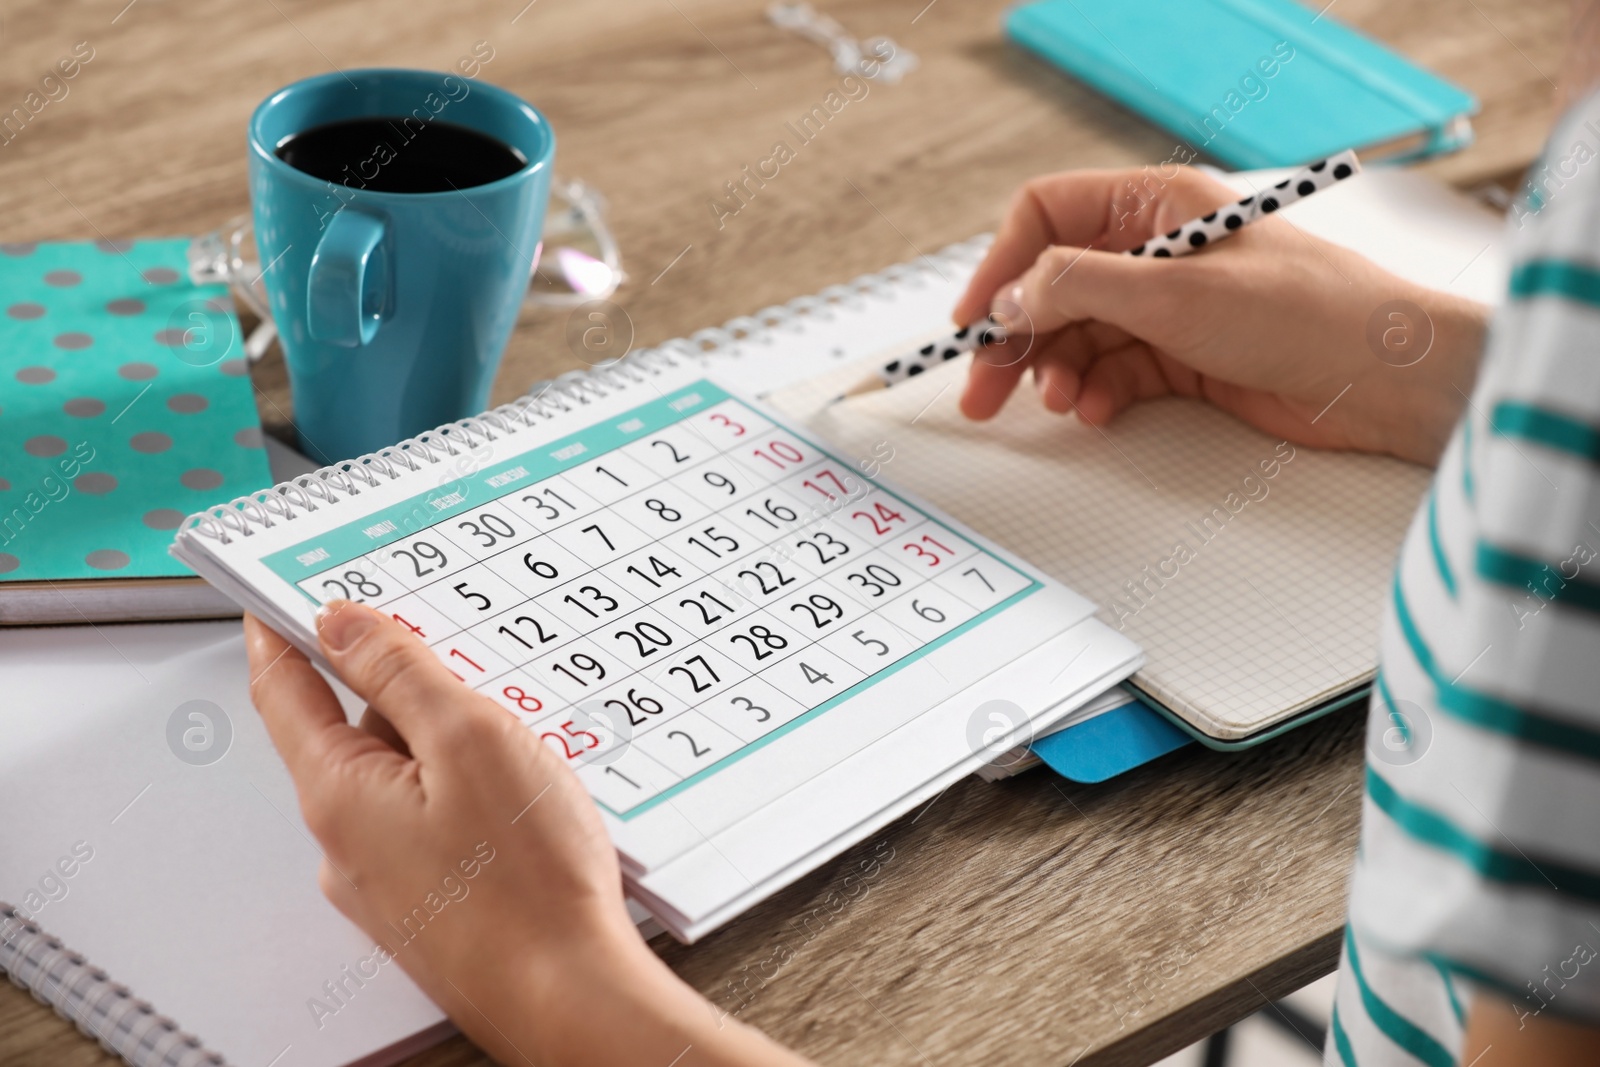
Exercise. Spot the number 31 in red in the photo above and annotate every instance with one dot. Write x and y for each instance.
(922, 551)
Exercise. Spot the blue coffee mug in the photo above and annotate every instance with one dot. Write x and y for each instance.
(393, 309)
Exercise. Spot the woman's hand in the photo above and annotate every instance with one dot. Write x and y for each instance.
(474, 856)
(1270, 326)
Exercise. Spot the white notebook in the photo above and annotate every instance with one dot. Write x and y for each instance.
(188, 900)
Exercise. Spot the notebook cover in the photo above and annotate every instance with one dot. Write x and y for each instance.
(1254, 83)
(125, 405)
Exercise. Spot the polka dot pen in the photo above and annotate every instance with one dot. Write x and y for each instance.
(1190, 237)
(964, 340)
(1197, 233)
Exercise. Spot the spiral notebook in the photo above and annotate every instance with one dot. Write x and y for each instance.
(153, 898)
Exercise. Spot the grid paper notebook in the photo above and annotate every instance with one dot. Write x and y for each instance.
(1251, 571)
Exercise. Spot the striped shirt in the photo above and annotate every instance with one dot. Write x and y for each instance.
(1479, 864)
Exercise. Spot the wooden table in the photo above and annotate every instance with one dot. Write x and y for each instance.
(1027, 922)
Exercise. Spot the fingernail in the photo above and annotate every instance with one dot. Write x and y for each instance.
(1011, 301)
(341, 624)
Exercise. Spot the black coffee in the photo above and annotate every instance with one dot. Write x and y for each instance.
(400, 155)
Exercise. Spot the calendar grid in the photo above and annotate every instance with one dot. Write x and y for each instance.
(823, 708)
(667, 593)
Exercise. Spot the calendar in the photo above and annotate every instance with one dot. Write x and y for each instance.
(751, 647)
(662, 593)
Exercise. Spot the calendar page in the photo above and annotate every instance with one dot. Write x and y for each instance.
(668, 591)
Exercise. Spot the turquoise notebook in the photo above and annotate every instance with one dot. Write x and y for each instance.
(1252, 83)
(125, 404)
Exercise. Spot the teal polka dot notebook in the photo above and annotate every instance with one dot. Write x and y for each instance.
(125, 404)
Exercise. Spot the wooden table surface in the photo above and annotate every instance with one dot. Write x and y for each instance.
(1027, 922)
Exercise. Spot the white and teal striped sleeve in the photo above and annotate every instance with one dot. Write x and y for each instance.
(1479, 864)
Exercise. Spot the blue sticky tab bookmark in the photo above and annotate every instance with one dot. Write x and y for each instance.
(1110, 743)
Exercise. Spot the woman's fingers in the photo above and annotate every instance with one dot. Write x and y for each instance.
(1067, 285)
(1057, 361)
(1120, 379)
(1067, 208)
(992, 375)
(303, 717)
(396, 674)
(1109, 210)
(1024, 233)
(1058, 383)
(1058, 372)
(1073, 286)
(1070, 302)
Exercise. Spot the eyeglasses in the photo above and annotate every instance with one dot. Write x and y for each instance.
(581, 261)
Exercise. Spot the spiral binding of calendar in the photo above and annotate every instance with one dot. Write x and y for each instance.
(87, 997)
(547, 400)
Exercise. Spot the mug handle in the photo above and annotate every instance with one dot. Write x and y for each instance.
(348, 284)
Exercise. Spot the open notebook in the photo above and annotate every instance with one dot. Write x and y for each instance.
(1251, 571)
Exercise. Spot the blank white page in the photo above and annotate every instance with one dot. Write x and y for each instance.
(201, 894)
